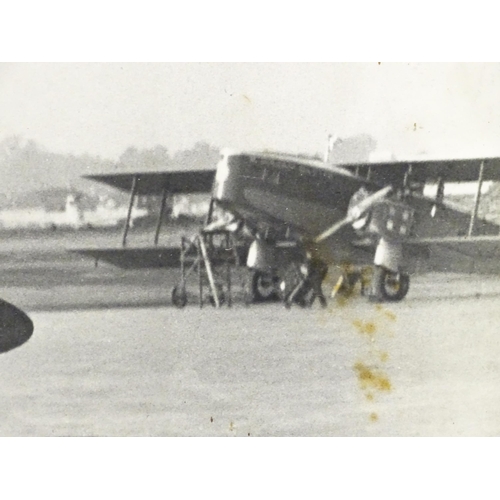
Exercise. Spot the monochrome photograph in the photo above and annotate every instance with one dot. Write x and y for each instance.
(249, 249)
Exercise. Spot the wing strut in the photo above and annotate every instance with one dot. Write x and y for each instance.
(130, 206)
(208, 218)
(160, 215)
(473, 216)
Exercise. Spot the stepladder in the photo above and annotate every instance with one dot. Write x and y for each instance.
(209, 256)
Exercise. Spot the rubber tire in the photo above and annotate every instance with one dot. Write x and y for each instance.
(380, 293)
(179, 297)
(255, 294)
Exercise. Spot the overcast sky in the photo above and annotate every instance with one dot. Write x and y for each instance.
(445, 110)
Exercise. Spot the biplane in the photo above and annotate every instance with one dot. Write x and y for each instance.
(311, 214)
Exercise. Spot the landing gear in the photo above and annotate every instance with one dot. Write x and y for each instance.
(179, 296)
(263, 287)
(388, 286)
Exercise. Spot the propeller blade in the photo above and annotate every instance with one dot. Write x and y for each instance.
(332, 229)
(355, 213)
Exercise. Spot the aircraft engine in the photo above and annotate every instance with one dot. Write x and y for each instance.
(361, 222)
(268, 261)
(273, 256)
(391, 221)
(262, 256)
(388, 222)
(262, 262)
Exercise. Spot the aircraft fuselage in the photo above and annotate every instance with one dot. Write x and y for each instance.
(306, 195)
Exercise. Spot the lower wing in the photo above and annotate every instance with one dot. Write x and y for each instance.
(478, 247)
(475, 254)
(134, 258)
(142, 257)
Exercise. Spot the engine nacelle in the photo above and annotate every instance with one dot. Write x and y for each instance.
(391, 220)
(261, 256)
(270, 257)
(386, 218)
(389, 254)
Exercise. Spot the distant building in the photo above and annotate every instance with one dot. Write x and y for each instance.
(380, 156)
(193, 206)
(72, 215)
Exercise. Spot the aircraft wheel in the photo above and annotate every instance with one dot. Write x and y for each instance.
(179, 297)
(389, 286)
(263, 287)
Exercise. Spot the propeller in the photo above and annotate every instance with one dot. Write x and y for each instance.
(222, 225)
(354, 213)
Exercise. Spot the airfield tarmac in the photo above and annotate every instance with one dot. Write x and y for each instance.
(110, 357)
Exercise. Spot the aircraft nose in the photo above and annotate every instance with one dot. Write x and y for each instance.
(16, 327)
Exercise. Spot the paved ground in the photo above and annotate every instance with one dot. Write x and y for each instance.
(106, 360)
(423, 367)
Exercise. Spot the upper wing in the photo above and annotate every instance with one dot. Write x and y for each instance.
(426, 170)
(154, 183)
